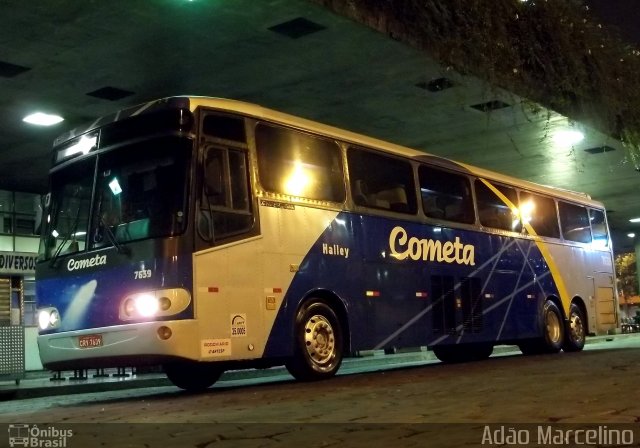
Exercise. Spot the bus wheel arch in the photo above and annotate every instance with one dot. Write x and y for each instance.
(576, 326)
(320, 337)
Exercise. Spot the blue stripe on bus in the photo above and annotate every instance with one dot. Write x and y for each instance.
(513, 279)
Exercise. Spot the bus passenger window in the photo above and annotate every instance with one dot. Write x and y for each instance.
(493, 211)
(381, 182)
(599, 228)
(540, 213)
(299, 164)
(446, 195)
(574, 220)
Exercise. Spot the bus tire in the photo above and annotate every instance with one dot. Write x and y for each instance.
(463, 352)
(553, 327)
(553, 333)
(192, 376)
(319, 346)
(575, 330)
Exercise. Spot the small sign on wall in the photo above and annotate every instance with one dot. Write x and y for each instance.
(17, 263)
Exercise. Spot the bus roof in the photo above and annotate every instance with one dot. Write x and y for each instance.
(260, 112)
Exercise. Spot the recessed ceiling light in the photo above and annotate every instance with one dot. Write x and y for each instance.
(297, 28)
(634, 220)
(490, 106)
(631, 235)
(42, 119)
(600, 149)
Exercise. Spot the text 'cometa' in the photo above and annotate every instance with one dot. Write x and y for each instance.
(403, 247)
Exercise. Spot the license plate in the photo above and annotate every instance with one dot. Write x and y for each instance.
(90, 341)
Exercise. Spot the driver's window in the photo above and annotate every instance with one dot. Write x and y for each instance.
(226, 191)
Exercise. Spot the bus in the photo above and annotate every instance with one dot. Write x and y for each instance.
(205, 234)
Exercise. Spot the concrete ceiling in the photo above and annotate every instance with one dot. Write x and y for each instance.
(291, 55)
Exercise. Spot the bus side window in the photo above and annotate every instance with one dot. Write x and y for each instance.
(213, 183)
(381, 182)
(574, 220)
(599, 228)
(299, 164)
(543, 217)
(493, 211)
(226, 193)
(446, 195)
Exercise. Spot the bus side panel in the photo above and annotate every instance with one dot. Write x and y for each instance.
(489, 288)
(240, 287)
(590, 278)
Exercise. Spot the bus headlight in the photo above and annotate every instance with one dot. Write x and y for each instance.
(164, 302)
(48, 318)
(146, 305)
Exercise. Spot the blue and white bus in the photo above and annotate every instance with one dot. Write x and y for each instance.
(206, 234)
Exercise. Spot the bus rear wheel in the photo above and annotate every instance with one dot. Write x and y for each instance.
(553, 333)
(192, 376)
(318, 347)
(463, 352)
(575, 331)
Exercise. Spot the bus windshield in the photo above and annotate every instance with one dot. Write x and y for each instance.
(67, 222)
(140, 193)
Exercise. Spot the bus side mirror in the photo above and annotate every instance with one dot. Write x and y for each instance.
(50, 241)
(205, 225)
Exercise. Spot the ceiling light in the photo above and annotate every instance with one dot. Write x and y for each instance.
(631, 235)
(568, 137)
(42, 119)
(633, 219)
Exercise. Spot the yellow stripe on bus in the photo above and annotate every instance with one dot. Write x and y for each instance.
(542, 247)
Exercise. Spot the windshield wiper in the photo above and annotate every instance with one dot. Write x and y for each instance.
(112, 238)
(73, 231)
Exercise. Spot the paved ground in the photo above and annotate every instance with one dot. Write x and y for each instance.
(400, 407)
(39, 383)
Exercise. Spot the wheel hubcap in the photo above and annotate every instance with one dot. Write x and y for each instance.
(577, 329)
(320, 340)
(553, 327)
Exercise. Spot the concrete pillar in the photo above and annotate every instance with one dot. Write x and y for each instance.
(637, 246)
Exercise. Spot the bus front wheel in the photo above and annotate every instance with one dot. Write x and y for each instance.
(318, 347)
(192, 376)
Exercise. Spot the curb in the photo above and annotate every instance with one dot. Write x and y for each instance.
(402, 358)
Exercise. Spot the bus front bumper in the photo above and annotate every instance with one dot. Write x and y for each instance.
(121, 346)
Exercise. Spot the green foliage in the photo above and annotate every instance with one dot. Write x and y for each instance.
(555, 52)
(626, 272)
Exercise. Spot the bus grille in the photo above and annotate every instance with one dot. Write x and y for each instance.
(471, 302)
(444, 306)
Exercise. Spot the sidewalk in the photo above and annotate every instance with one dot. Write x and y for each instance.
(39, 383)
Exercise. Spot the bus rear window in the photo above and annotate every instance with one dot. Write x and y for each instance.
(299, 164)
